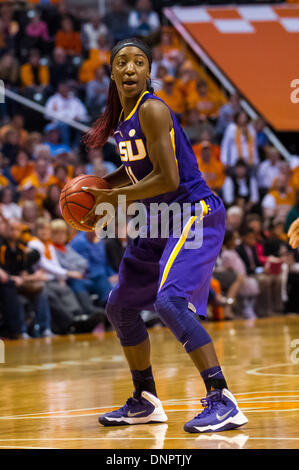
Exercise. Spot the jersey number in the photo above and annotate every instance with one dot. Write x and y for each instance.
(126, 151)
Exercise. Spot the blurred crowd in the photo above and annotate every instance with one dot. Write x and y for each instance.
(56, 281)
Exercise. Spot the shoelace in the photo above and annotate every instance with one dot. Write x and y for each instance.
(210, 404)
(130, 402)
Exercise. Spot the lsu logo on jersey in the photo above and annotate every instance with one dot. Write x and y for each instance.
(128, 153)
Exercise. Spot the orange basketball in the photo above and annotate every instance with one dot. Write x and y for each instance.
(76, 203)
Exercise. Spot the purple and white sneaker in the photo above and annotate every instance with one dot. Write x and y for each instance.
(146, 409)
(221, 413)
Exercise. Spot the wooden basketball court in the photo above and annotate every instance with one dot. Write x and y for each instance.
(52, 390)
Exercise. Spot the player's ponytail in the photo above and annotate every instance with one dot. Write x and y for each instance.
(149, 86)
(106, 124)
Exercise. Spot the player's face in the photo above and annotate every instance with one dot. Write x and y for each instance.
(130, 70)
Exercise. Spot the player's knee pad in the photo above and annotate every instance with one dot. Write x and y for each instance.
(127, 323)
(174, 312)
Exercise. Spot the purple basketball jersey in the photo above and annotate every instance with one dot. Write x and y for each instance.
(165, 265)
(134, 155)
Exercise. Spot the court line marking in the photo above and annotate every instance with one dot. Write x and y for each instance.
(26, 447)
(257, 370)
(195, 410)
(133, 438)
(170, 401)
(40, 415)
(267, 391)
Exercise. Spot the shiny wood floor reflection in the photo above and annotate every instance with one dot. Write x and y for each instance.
(52, 390)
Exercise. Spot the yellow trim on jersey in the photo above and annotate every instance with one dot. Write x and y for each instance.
(121, 113)
(177, 248)
(173, 145)
(135, 107)
(131, 174)
(205, 209)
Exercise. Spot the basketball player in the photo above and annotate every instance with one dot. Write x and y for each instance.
(159, 166)
(293, 234)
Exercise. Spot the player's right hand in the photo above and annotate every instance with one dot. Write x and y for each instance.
(293, 234)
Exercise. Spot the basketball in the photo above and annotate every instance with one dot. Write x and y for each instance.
(76, 203)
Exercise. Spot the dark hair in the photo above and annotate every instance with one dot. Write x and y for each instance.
(246, 231)
(4, 190)
(228, 237)
(252, 217)
(60, 166)
(274, 223)
(106, 124)
(22, 150)
(242, 163)
(49, 190)
(132, 42)
(34, 51)
(238, 113)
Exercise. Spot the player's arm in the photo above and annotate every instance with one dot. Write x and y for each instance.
(156, 123)
(118, 178)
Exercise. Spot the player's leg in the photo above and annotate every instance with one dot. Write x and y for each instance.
(183, 288)
(137, 288)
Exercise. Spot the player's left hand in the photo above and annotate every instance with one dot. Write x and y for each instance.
(101, 196)
(293, 234)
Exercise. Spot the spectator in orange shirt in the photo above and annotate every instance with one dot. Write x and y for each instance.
(60, 177)
(39, 180)
(16, 123)
(203, 101)
(295, 178)
(278, 202)
(212, 170)
(33, 74)
(171, 95)
(167, 42)
(23, 167)
(187, 79)
(97, 58)
(27, 193)
(68, 39)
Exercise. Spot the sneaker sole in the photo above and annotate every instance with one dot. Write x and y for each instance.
(230, 423)
(124, 421)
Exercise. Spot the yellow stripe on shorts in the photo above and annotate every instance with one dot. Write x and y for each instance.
(177, 248)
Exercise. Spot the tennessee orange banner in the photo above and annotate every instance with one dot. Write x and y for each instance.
(257, 49)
